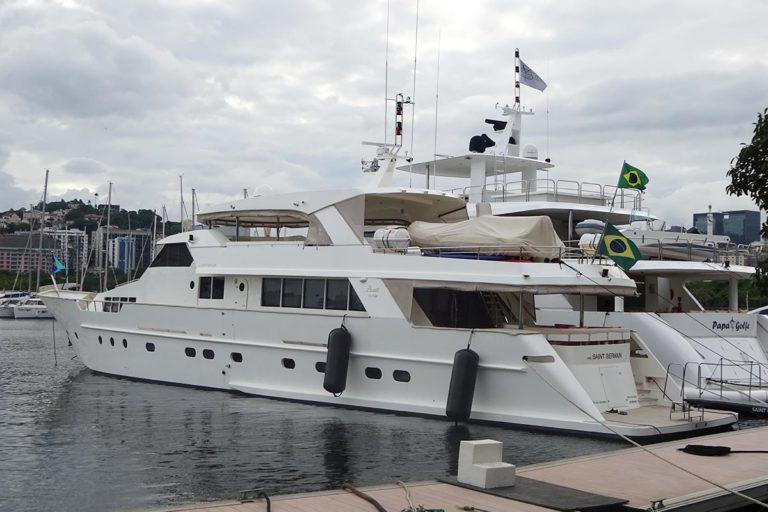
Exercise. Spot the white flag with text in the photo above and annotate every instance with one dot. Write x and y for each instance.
(530, 78)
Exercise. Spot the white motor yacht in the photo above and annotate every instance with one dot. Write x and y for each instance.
(429, 316)
(32, 307)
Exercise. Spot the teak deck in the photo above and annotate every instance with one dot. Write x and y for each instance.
(631, 474)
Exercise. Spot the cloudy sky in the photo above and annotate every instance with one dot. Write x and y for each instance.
(266, 95)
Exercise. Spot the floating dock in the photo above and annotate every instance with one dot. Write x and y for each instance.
(622, 480)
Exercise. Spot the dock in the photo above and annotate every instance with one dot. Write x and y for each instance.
(622, 480)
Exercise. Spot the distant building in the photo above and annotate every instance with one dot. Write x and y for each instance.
(742, 226)
(134, 249)
(19, 252)
(71, 248)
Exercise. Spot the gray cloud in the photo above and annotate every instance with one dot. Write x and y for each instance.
(250, 93)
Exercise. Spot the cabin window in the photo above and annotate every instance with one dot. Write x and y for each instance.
(453, 308)
(237, 357)
(150, 347)
(211, 288)
(289, 363)
(320, 366)
(373, 373)
(190, 352)
(336, 294)
(355, 304)
(291, 293)
(204, 290)
(314, 293)
(125, 343)
(218, 288)
(173, 255)
(208, 353)
(270, 291)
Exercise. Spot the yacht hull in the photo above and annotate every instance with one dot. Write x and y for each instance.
(393, 365)
(31, 312)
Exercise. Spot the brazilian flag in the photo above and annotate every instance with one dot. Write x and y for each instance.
(632, 177)
(618, 247)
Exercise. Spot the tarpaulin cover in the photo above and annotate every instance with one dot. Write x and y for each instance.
(530, 236)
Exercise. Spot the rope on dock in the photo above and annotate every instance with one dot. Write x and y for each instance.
(360, 494)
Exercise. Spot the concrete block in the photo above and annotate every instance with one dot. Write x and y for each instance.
(480, 465)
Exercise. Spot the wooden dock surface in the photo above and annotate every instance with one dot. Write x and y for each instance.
(630, 474)
(642, 478)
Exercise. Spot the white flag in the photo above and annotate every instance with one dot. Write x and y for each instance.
(530, 78)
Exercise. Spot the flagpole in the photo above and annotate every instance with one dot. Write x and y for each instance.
(517, 79)
(55, 286)
(605, 223)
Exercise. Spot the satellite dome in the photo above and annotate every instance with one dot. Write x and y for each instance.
(530, 151)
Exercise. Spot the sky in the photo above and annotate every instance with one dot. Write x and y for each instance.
(277, 97)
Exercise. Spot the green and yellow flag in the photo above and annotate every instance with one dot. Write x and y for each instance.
(632, 177)
(618, 247)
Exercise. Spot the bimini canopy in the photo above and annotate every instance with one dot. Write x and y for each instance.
(374, 206)
(531, 236)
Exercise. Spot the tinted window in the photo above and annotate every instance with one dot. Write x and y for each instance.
(270, 291)
(173, 255)
(354, 301)
(218, 288)
(336, 292)
(314, 293)
(291, 293)
(204, 290)
(373, 373)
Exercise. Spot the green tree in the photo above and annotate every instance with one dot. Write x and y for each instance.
(749, 177)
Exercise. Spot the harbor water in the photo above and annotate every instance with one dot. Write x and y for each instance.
(74, 440)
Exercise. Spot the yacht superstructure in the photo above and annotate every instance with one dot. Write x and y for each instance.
(253, 314)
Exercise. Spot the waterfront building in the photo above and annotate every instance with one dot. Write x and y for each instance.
(742, 226)
(135, 249)
(19, 252)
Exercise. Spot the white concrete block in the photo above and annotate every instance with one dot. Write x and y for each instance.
(480, 465)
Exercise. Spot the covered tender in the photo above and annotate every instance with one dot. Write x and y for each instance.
(529, 236)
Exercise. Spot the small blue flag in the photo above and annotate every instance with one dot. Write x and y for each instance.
(56, 265)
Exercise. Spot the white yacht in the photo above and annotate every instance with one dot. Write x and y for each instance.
(409, 320)
(32, 307)
(680, 351)
(8, 302)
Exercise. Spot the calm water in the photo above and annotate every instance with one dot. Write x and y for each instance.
(72, 440)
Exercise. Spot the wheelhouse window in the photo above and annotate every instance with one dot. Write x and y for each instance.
(211, 288)
(173, 255)
(355, 304)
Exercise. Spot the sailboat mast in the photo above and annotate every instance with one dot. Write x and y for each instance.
(42, 224)
(106, 256)
(194, 199)
(181, 202)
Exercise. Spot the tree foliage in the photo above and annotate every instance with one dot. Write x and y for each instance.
(749, 177)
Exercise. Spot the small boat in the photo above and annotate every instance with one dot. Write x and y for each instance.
(32, 307)
(8, 301)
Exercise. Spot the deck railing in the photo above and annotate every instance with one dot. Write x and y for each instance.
(562, 191)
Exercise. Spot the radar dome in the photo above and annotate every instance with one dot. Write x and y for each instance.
(531, 151)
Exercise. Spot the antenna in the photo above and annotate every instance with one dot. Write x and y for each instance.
(413, 93)
(437, 96)
(386, 77)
